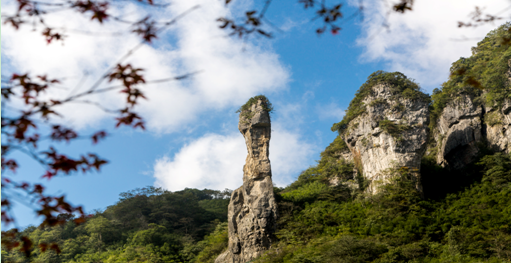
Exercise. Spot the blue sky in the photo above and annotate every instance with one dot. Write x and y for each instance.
(192, 138)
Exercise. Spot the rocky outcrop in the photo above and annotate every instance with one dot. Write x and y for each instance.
(498, 127)
(346, 155)
(459, 132)
(465, 128)
(252, 209)
(392, 132)
(498, 122)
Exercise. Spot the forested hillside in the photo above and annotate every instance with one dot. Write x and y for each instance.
(318, 222)
(145, 225)
(326, 215)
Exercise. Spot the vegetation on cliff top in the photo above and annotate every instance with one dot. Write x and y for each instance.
(401, 87)
(482, 75)
(246, 114)
(265, 103)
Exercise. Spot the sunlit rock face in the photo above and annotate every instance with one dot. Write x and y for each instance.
(252, 210)
(392, 132)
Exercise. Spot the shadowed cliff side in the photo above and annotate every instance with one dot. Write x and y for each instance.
(471, 114)
(252, 210)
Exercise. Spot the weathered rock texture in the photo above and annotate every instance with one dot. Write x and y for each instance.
(498, 127)
(459, 132)
(498, 123)
(252, 210)
(346, 155)
(374, 150)
(465, 128)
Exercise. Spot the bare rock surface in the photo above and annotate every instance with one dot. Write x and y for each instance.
(252, 211)
(465, 127)
(459, 132)
(498, 127)
(374, 149)
(498, 124)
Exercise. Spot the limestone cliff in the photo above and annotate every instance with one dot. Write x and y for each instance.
(473, 119)
(458, 132)
(465, 128)
(385, 124)
(391, 132)
(252, 211)
(498, 121)
(471, 113)
(498, 127)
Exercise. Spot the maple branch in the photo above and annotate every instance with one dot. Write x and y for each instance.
(95, 104)
(131, 51)
(20, 198)
(144, 3)
(181, 77)
(31, 154)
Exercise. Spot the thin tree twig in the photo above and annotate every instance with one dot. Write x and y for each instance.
(130, 52)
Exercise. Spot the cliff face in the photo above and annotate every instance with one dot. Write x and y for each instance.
(252, 210)
(471, 114)
(465, 128)
(498, 127)
(392, 132)
(459, 132)
(469, 124)
(498, 122)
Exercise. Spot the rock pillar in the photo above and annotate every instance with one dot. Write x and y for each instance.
(252, 210)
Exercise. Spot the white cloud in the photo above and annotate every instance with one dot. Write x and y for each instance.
(232, 70)
(424, 42)
(212, 161)
(289, 155)
(216, 161)
(289, 115)
(290, 24)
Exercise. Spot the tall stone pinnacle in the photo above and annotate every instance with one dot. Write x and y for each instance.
(252, 211)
